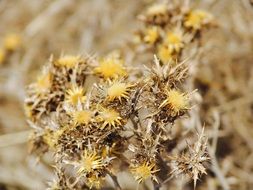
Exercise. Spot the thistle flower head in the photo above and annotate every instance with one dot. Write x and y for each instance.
(151, 35)
(175, 41)
(118, 90)
(90, 161)
(68, 61)
(111, 67)
(12, 42)
(51, 137)
(175, 100)
(164, 53)
(81, 117)
(197, 18)
(74, 95)
(94, 181)
(43, 82)
(144, 171)
(109, 117)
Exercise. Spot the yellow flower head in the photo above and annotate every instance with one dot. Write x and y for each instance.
(118, 90)
(109, 117)
(68, 61)
(51, 137)
(43, 82)
(2, 56)
(81, 117)
(176, 101)
(94, 181)
(111, 67)
(74, 95)
(157, 9)
(12, 42)
(175, 41)
(164, 54)
(151, 35)
(90, 161)
(144, 171)
(197, 18)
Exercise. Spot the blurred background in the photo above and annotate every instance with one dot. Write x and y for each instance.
(33, 30)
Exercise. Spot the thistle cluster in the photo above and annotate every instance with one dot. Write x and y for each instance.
(99, 117)
(170, 29)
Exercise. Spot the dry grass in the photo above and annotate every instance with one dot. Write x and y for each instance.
(222, 72)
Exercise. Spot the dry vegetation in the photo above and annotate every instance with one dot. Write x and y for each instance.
(114, 94)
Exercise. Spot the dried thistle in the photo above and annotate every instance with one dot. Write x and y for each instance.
(192, 162)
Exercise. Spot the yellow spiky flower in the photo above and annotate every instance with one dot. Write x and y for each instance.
(75, 95)
(68, 61)
(90, 161)
(151, 35)
(118, 90)
(175, 100)
(12, 42)
(81, 117)
(2, 56)
(174, 41)
(144, 171)
(111, 67)
(109, 117)
(164, 54)
(197, 18)
(51, 137)
(43, 82)
(94, 181)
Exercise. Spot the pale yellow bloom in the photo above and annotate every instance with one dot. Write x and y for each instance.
(109, 117)
(12, 42)
(90, 161)
(164, 54)
(151, 35)
(144, 171)
(197, 18)
(68, 61)
(118, 90)
(111, 67)
(175, 100)
(174, 40)
(75, 95)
